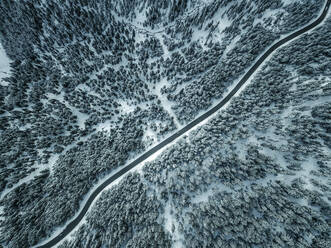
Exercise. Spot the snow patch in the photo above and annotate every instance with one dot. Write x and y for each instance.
(2, 218)
(4, 66)
(232, 44)
(165, 103)
(305, 174)
(166, 53)
(222, 22)
(141, 17)
(270, 14)
(126, 108)
(81, 117)
(104, 126)
(171, 225)
(150, 137)
(140, 37)
(212, 189)
(288, 2)
(200, 35)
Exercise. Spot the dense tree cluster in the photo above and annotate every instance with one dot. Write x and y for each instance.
(131, 219)
(32, 209)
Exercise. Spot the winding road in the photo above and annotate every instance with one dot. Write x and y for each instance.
(71, 225)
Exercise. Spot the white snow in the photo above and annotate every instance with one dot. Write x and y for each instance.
(140, 17)
(4, 66)
(166, 53)
(171, 221)
(52, 160)
(241, 150)
(232, 44)
(288, 2)
(200, 36)
(206, 1)
(222, 20)
(165, 103)
(59, 97)
(150, 137)
(140, 37)
(168, 217)
(104, 126)
(307, 167)
(219, 20)
(204, 197)
(272, 14)
(1, 214)
(81, 117)
(126, 108)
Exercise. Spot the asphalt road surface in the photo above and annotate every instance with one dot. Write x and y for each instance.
(70, 226)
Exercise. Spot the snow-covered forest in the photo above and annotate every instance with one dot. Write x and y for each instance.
(86, 86)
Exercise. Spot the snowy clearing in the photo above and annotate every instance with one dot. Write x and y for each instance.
(4, 66)
(165, 103)
(171, 225)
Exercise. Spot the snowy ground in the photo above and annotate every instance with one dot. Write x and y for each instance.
(150, 137)
(81, 117)
(171, 225)
(165, 103)
(288, 2)
(220, 21)
(105, 126)
(4, 66)
(126, 108)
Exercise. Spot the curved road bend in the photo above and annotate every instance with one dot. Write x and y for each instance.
(70, 226)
